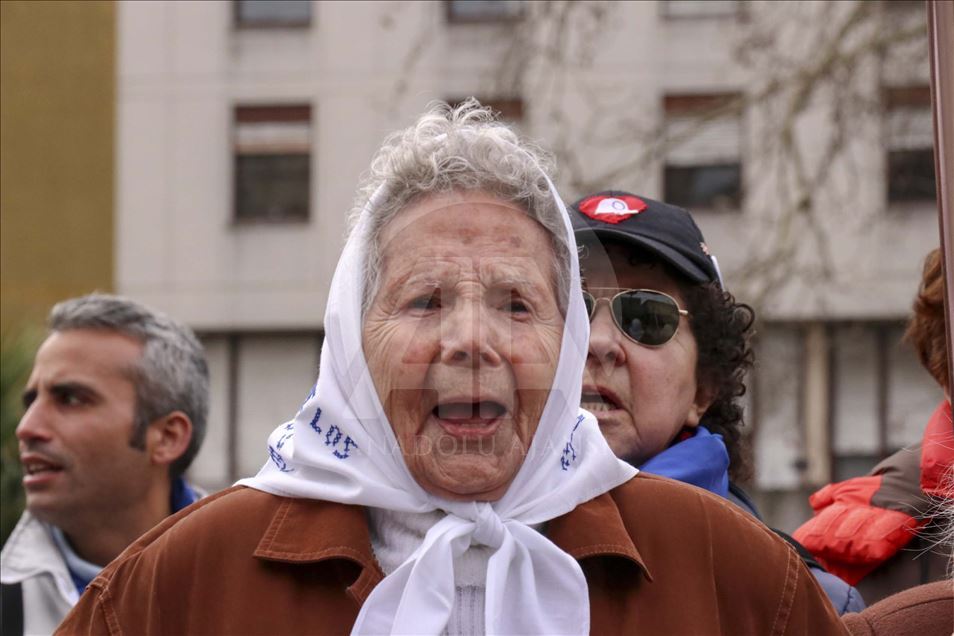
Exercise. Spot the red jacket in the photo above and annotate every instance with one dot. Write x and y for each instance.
(860, 523)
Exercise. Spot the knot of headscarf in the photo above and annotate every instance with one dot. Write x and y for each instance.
(488, 528)
(340, 447)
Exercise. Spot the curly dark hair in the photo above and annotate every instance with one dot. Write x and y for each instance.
(723, 331)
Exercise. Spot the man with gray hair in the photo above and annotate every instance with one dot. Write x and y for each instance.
(115, 411)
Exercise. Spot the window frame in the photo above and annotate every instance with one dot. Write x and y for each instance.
(451, 18)
(288, 112)
(738, 13)
(735, 199)
(917, 96)
(699, 104)
(244, 25)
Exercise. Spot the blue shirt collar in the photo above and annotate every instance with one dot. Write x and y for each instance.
(182, 495)
(82, 571)
(702, 460)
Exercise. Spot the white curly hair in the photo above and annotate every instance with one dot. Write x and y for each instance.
(458, 149)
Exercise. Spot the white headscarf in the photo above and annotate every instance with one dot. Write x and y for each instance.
(340, 447)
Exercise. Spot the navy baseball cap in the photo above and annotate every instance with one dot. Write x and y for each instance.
(664, 230)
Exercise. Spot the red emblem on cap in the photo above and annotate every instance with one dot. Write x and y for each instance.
(609, 209)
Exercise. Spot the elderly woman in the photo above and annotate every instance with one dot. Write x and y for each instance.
(668, 354)
(441, 477)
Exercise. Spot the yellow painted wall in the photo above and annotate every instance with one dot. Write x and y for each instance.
(57, 111)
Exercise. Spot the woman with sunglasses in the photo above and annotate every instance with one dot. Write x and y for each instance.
(668, 351)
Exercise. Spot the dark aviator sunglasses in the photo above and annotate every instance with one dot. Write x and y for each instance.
(645, 316)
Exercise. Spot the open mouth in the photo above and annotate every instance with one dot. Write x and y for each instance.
(470, 419)
(462, 411)
(36, 469)
(596, 400)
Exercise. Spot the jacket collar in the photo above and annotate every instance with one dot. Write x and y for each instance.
(311, 531)
(29, 552)
(306, 531)
(596, 529)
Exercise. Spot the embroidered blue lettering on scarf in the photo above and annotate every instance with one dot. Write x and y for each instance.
(340, 444)
(569, 452)
(287, 435)
(333, 437)
(279, 460)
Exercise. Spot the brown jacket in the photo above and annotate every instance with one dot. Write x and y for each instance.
(660, 557)
(925, 610)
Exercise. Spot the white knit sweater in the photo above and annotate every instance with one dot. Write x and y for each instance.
(395, 535)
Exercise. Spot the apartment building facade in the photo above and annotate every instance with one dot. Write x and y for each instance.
(244, 127)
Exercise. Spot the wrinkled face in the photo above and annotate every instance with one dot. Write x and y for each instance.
(74, 435)
(462, 339)
(641, 396)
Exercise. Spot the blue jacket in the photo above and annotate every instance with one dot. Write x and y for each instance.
(702, 460)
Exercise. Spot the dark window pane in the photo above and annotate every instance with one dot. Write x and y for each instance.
(484, 10)
(273, 12)
(703, 186)
(911, 175)
(903, 5)
(272, 187)
(918, 95)
(848, 466)
(697, 104)
(699, 8)
(283, 113)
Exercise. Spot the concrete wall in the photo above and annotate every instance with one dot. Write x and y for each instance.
(257, 292)
(368, 68)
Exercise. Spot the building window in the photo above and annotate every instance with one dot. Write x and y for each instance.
(272, 163)
(484, 10)
(882, 397)
(776, 387)
(902, 6)
(874, 398)
(856, 398)
(508, 109)
(240, 364)
(703, 139)
(272, 13)
(699, 8)
(910, 142)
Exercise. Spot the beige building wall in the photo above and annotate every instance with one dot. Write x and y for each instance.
(832, 390)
